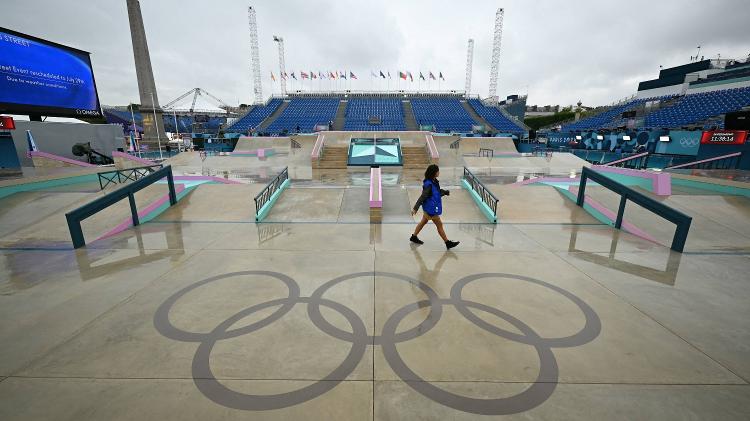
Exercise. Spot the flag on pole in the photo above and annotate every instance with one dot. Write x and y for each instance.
(294, 77)
(304, 75)
(331, 75)
(421, 76)
(372, 73)
(320, 74)
(410, 76)
(402, 75)
(389, 74)
(285, 75)
(351, 75)
(313, 75)
(273, 78)
(432, 76)
(382, 75)
(441, 75)
(30, 141)
(342, 75)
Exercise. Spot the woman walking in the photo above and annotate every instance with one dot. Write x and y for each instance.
(432, 204)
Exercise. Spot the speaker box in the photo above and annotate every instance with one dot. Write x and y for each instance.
(739, 120)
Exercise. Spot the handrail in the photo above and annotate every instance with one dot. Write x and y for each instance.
(482, 191)
(626, 193)
(431, 147)
(75, 216)
(626, 159)
(317, 149)
(455, 144)
(704, 161)
(131, 174)
(267, 194)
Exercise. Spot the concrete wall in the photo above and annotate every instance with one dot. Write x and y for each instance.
(59, 138)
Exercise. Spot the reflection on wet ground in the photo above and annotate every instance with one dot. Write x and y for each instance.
(319, 314)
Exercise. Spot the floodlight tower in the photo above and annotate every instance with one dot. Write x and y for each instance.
(496, 54)
(255, 56)
(282, 66)
(469, 62)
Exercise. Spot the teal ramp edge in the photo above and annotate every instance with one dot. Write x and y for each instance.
(588, 208)
(731, 190)
(274, 197)
(478, 200)
(158, 211)
(40, 185)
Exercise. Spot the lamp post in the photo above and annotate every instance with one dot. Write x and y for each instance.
(158, 136)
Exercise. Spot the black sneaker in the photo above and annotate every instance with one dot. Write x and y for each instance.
(414, 239)
(450, 244)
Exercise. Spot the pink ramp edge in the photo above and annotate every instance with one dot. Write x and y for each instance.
(132, 158)
(59, 158)
(206, 178)
(128, 222)
(547, 179)
(376, 203)
(661, 182)
(627, 226)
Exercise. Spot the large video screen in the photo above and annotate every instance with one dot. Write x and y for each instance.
(41, 77)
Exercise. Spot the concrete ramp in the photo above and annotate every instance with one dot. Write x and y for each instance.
(537, 204)
(311, 205)
(215, 202)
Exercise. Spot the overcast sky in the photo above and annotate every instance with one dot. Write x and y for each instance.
(557, 51)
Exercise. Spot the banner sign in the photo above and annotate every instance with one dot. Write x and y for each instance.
(7, 123)
(682, 142)
(724, 137)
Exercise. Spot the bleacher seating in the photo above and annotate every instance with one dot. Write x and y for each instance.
(256, 116)
(695, 108)
(603, 119)
(359, 111)
(495, 117)
(446, 114)
(305, 113)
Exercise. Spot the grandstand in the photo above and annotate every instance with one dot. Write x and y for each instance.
(305, 113)
(495, 117)
(698, 107)
(254, 117)
(359, 111)
(444, 114)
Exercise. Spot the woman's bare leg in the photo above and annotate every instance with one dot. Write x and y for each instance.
(439, 225)
(421, 224)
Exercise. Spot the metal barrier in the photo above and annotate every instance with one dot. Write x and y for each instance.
(488, 153)
(723, 162)
(129, 174)
(264, 200)
(626, 193)
(75, 216)
(483, 193)
(455, 145)
(294, 144)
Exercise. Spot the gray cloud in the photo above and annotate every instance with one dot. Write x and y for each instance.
(591, 50)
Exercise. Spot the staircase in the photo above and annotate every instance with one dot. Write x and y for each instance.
(476, 117)
(409, 120)
(334, 157)
(274, 115)
(414, 157)
(340, 120)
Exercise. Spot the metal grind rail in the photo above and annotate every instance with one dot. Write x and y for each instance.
(128, 191)
(484, 198)
(626, 193)
(265, 200)
(129, 174)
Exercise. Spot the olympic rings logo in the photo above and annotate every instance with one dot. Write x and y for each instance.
(534, 395)
(688, 143)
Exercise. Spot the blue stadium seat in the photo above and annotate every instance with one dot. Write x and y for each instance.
(495, 117)
(359, 111)
(305, 113)
(256, 116)
(443, 113)
(695, 108)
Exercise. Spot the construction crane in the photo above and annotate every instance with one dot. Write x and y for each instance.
(196, 92)
(469, 62)
(495, 66)
(282, 66)
(255, 56)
